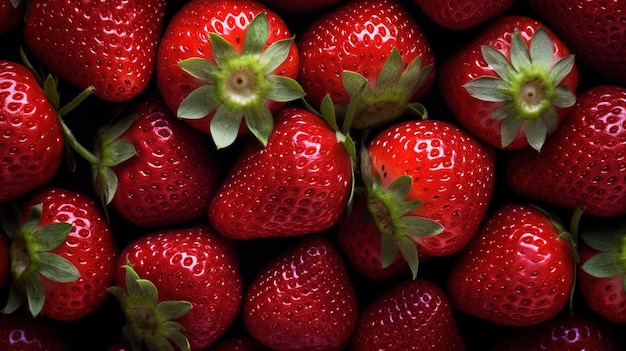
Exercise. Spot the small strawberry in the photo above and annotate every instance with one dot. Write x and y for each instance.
(19, 331)
(426, 177)
(11, 14)
(62, 255)
(583, 163)
(178, 287)
(376, 43)
(602, 271)
(221, 62)
(512, 84)
(464, 14)
(302, 299)
(517, 271)
(412, 315)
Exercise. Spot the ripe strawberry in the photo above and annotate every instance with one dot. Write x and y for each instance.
(593, 30)
(517, 271)
(302, 299)
(20, 332)
(413, 315)
(110, 45)
(300, 6)
(601, 273)
(62, 255)
(31, 143)
(426, 177)
(298, 184)
(178, 287)
(583, 162)
(376, 43)
(11, 14)
(154, 169)
(465, 14)
(512, 84)
(221, 62)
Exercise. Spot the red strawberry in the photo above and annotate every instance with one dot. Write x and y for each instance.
(512, 84)
(300, 6)
(463, 14)
(178, 287)
(238, 343)
(110, 45)
(413, 315)
(21, 332)
(11, 14)
(221, 62)
(31, 143)
(601, 273)
(302, 299)
(153, 168)
(594, 30)
(298, 184)
(583, 163)
(517, 271)
(426, 177)
(376, 43)
(62, 255)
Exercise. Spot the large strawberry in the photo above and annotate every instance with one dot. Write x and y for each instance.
(299, 183)
(512, 84)
(594, 30)
(63, 255)
(517, 271)
(19, 331)
(583, 162)
(178, 287)
(426, 177)
(463, 14)
(373, 42)
(11, 14)
(221, 62)
(31, 142)
(412, 315)
(109, 45)
(302, 299)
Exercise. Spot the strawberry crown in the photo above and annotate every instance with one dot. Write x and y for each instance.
(610, 260)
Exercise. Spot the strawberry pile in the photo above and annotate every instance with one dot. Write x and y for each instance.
(312, 175)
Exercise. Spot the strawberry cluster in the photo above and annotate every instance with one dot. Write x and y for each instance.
(312, 175)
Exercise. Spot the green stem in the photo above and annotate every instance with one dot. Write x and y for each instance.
(71, 140)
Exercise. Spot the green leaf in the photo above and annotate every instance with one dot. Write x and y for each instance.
(119, 151)
(276, 54)
(199, 68)
(51, 92)
(409, 252)
(223, 51)
(256, 35)
(174, 309)
(420, 226)
(498, 62)
(284, 89)
(535, 131)
(414, 75)
(51, 236)
(225, 126)
(550, 119)
(564, 97)
(35, 294)
(604, 265)
(519, 53)
(34, 217)
(604, 239)
(260, 122)
(14, 300)
(353, 82)
(488, 89)
(199, 103)
(389, 75)
(561, 69)
(388, 250)
(57, 268)
(327, 110)
(119, 128)
(541, 50)
(106, 182)
(15, 3)
(148, 290)
(509, 130)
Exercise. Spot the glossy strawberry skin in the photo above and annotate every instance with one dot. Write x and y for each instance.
(111, 46)
(453, 175)
(19, 331)
(412, 315)
(190, 264)
(583, 163)
(31, 144)
(302, 299)
(89, 246)
(516, 271)
(358, 36)
(467, 63)
(296, 185)
(173, 175)
(459, 15)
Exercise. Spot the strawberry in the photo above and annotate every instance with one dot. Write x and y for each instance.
(31, 144)
(302, 299)
(298, 184)
(153, 168)
(221, 62)
(111, 46)
(457, 15)
(517, 271)
(62, 254)
(512, 84)
(300, 6)
(11, 14)
(594, 31)
(238, 343)
(178, 287)
(412, 315)
(20, 332)
(426, 177)
(601, 273)
(376, 43)
(583, 163)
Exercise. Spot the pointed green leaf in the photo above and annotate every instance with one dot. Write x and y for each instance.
(35, 294)
(148, 290)
(509, 130)
(52, 235)
(225, 126)
(118, 293)
(419, 226)
(260, 122)
(388, 250)
(14, 300)
(488, 89)
(518, 52)
(51, 92)
(174, 309)
(106, 184)
(561, 69)
(535, 131)
(276, 54)
(389, 75)
(353, 82)
(15, 3)
(118, 152)
(604, 265)
(353, 106)
(503, 112)
(400, 187)
(181, 342)
(284, 89)
(498, 62)
(158, 343)
(603, 239)
(256, 35)
(199, 68)
(57, 268)
(366, 165)
(541, 50)
(199, 103)
(411, 78)
(564, 97)
(409, 251)
(34, 217)
(328, 112)
(223, 51)
(119, 128)
(131, 278)
(550, 119)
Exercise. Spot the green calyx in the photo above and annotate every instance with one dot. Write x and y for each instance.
(31, 258)
(390, 210)
(390, 98)
(150, 322)
(239, 84)
(610, 261)
(527, 88)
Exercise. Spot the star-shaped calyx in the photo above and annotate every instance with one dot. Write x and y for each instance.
(527, 87)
